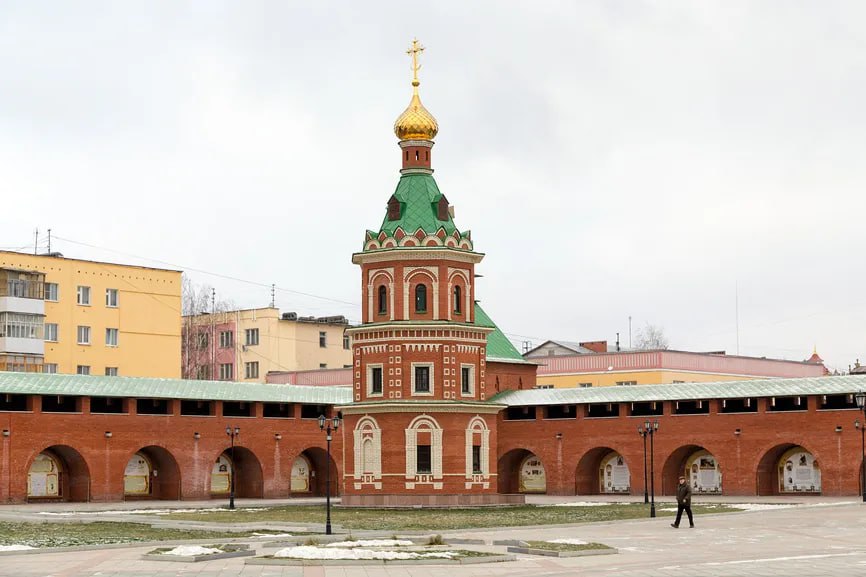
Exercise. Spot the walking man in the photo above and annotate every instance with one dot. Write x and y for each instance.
(684, 503)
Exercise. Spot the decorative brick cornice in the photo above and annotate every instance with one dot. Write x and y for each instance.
(419, 407)
(418, 253)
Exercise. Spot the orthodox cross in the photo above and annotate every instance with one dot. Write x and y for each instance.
(414, 51)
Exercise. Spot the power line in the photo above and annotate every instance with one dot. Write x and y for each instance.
(218, 275)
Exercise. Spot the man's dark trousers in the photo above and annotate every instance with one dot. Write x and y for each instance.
(688, 509)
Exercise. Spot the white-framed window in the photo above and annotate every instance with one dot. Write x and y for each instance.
(227, 371)
(583, 386)
(83, 335)
(375, 380)
(49, 368)
(111, 371)
(467, 379)
(476, 460)
(111, 337)
(51, 332)
(626, 383)
(422, 378)
(83, 295)
(423, 460)
(52, 292)
(82, 369)
(347, 342)
(323, 339)
(111, 298)
(227, 339)
(252, 337)
(251, 370)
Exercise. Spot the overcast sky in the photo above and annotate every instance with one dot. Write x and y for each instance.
(612, 159)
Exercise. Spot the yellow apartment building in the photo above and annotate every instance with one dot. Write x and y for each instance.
(96, 318)
(245, 345)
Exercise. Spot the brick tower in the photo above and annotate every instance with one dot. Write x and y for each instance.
(419, 430)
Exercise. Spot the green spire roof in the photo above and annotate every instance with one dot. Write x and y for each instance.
(499, 348)
(419, 199)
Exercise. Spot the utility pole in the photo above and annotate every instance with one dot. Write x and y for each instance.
(36, 243)
(213, 333)
(49, 241)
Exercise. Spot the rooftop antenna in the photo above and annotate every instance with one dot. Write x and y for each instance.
(49, 241)
(617, 342)
(737, 312)
(36, 243)
(527, 345)
(629, 331)
(273, 289)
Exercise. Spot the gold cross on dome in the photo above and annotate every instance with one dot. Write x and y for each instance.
(414, 51)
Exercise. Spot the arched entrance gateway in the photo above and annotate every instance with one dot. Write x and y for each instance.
(308, 473)
(602, 470)
(532, 477)
(151, 473)
(698, 465)
(521, 471)
(59, 473)
(788, 469)
(247, 470)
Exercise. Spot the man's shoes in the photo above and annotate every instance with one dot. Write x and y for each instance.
(675, 526)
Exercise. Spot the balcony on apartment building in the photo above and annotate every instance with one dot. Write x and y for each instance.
(22, 320)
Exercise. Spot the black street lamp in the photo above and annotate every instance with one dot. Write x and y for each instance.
(860, 397)
(232, 433)
(650, 428)
(643, 434)
(329, 426)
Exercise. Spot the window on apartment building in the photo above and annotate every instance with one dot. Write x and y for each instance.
(227, 339)
(626, 383)
(111, 337)
(347, 342)
(252, 337)
(323, 339)
(251, 370)
(83, 295)
(51, 332)
(423, 460)
(21, 326)
(111, 371)
(421, 379)
(52, 292)
(476, 459)
(421, 298)
(585, 385)
(83, 335)
(203, 373)
(466, 380)
(376, 380)
(111, 298)
(457, 309)
(82, 370)
(49, 368)
(203, 340)
(383, 300)
(227, 371)
(323, 365)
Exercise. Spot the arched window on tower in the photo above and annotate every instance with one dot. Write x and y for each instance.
(383, 300)
(457, 295)
(421, 298)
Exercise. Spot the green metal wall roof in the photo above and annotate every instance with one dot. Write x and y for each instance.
(150, 388)
(686, 391)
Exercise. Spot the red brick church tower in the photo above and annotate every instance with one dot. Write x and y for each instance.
(419, 430)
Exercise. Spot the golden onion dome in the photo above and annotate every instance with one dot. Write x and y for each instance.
(416, 122)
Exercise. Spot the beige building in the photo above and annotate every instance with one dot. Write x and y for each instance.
(65, 315)
(245, 345)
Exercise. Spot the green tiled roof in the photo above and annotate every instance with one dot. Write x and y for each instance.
(686, 391)
(499, 348)
(150, 388)
(419, 197)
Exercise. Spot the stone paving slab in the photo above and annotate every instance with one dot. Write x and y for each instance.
(795, 542)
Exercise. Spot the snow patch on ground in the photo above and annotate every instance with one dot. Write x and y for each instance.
(567, 541)
(192, 551)
(16, 547)
(306, 552)
(583, 504)
(372, 543)
(271, 535)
